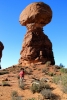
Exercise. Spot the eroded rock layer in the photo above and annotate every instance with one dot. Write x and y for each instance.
(36, 47)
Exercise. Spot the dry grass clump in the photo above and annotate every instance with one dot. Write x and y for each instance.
(48, 95)
(37, 86)
(5, 83)
(14, 96)
(62, 81)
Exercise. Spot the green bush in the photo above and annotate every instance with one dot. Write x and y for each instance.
(38, 86)
(64, 79)
(63, 70)
(35, 87)
(61, 80)
(56, 79)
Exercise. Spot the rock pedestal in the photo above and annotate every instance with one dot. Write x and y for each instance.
(36, 45)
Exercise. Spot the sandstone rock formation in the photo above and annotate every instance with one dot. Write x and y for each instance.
(1, 48)
(36, 45)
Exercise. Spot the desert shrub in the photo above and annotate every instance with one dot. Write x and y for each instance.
(40, 97)
(46, 93)
(35, 87)
(44, 85)
(56, 79)
(51, 74)
(64, 79)
(14, 96)
(4, 72)
(64, 89)
(17, 98)
(5, 83)
(63, 70)
(61, 80)
(31, 99)
(44, 79)
(38, 86)
(48, 63)
(64, 83)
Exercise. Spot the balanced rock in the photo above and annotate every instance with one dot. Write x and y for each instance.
(37, 12)
(36, 45)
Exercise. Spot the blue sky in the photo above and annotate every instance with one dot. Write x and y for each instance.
(12, 33)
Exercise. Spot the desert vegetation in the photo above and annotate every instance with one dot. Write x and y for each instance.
(15, 96)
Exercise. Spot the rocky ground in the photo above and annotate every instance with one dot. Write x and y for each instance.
(35, 72)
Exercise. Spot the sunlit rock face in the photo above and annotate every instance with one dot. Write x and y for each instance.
(36, 46)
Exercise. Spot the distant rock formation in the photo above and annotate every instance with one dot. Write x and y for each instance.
(1, 48)
(36, 45)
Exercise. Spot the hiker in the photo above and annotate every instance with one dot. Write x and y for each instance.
(21, 74)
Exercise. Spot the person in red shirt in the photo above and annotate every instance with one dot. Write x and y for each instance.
(21, 74)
